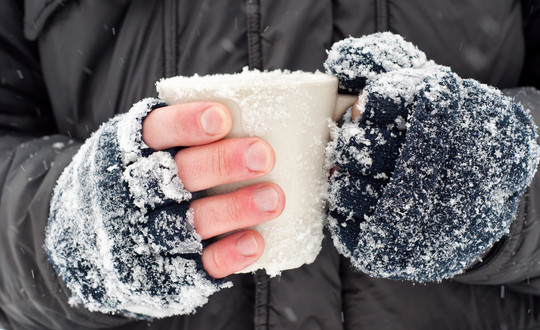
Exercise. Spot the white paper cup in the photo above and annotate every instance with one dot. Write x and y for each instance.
(289, 110)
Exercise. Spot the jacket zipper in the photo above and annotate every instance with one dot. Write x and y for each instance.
(262, 283)
(254, 35)
(262, 296)
(169, 35)
(381, 15)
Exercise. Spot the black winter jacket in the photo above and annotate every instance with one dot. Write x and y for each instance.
(68, 66)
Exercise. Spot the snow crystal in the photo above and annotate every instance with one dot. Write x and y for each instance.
(130, 135)
(58, 145)
(154, 179)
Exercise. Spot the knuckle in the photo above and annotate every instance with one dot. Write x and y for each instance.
(234, 208)
(190, 170)
(178, 124)
(215, 263)
(180, 164)
(221, 164)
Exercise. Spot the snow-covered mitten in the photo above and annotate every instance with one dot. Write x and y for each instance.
(356, 60)
(120, 232)
(431, 176)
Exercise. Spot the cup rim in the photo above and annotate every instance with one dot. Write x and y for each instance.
(247, 78)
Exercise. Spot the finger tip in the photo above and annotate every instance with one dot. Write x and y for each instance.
(282, 199)
(228, 118)
(233, 253)
(215, 120)
(259, 156)
(250, 245)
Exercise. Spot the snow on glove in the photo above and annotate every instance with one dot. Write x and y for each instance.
(120, 232)
(431, 176)
(354, 61)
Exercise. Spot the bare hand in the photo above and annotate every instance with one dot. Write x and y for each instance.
(209, 162)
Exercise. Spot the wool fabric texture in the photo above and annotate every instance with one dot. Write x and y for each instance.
(355, 60)
(120, 232)
(431, 176)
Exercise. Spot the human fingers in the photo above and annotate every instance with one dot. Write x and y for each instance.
(186, 124)
(357, 110)
(248, 206)
(356, 114)
(232, 253)
(225, 161)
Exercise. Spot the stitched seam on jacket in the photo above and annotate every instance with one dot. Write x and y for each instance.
(254, 35)
(262, 296)
(169, 38)
(33, 26)
(49, 7)
(381, 15)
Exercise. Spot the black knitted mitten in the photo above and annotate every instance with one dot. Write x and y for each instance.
(431, 176)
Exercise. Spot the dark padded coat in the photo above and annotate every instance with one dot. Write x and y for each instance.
(68, 66)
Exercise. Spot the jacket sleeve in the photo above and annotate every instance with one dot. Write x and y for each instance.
(33, 155)
(531, 31)
(513, 261)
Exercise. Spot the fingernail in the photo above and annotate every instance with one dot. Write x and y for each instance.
(266, 198)
(213, 121)
(247, 245)
(258, 157)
